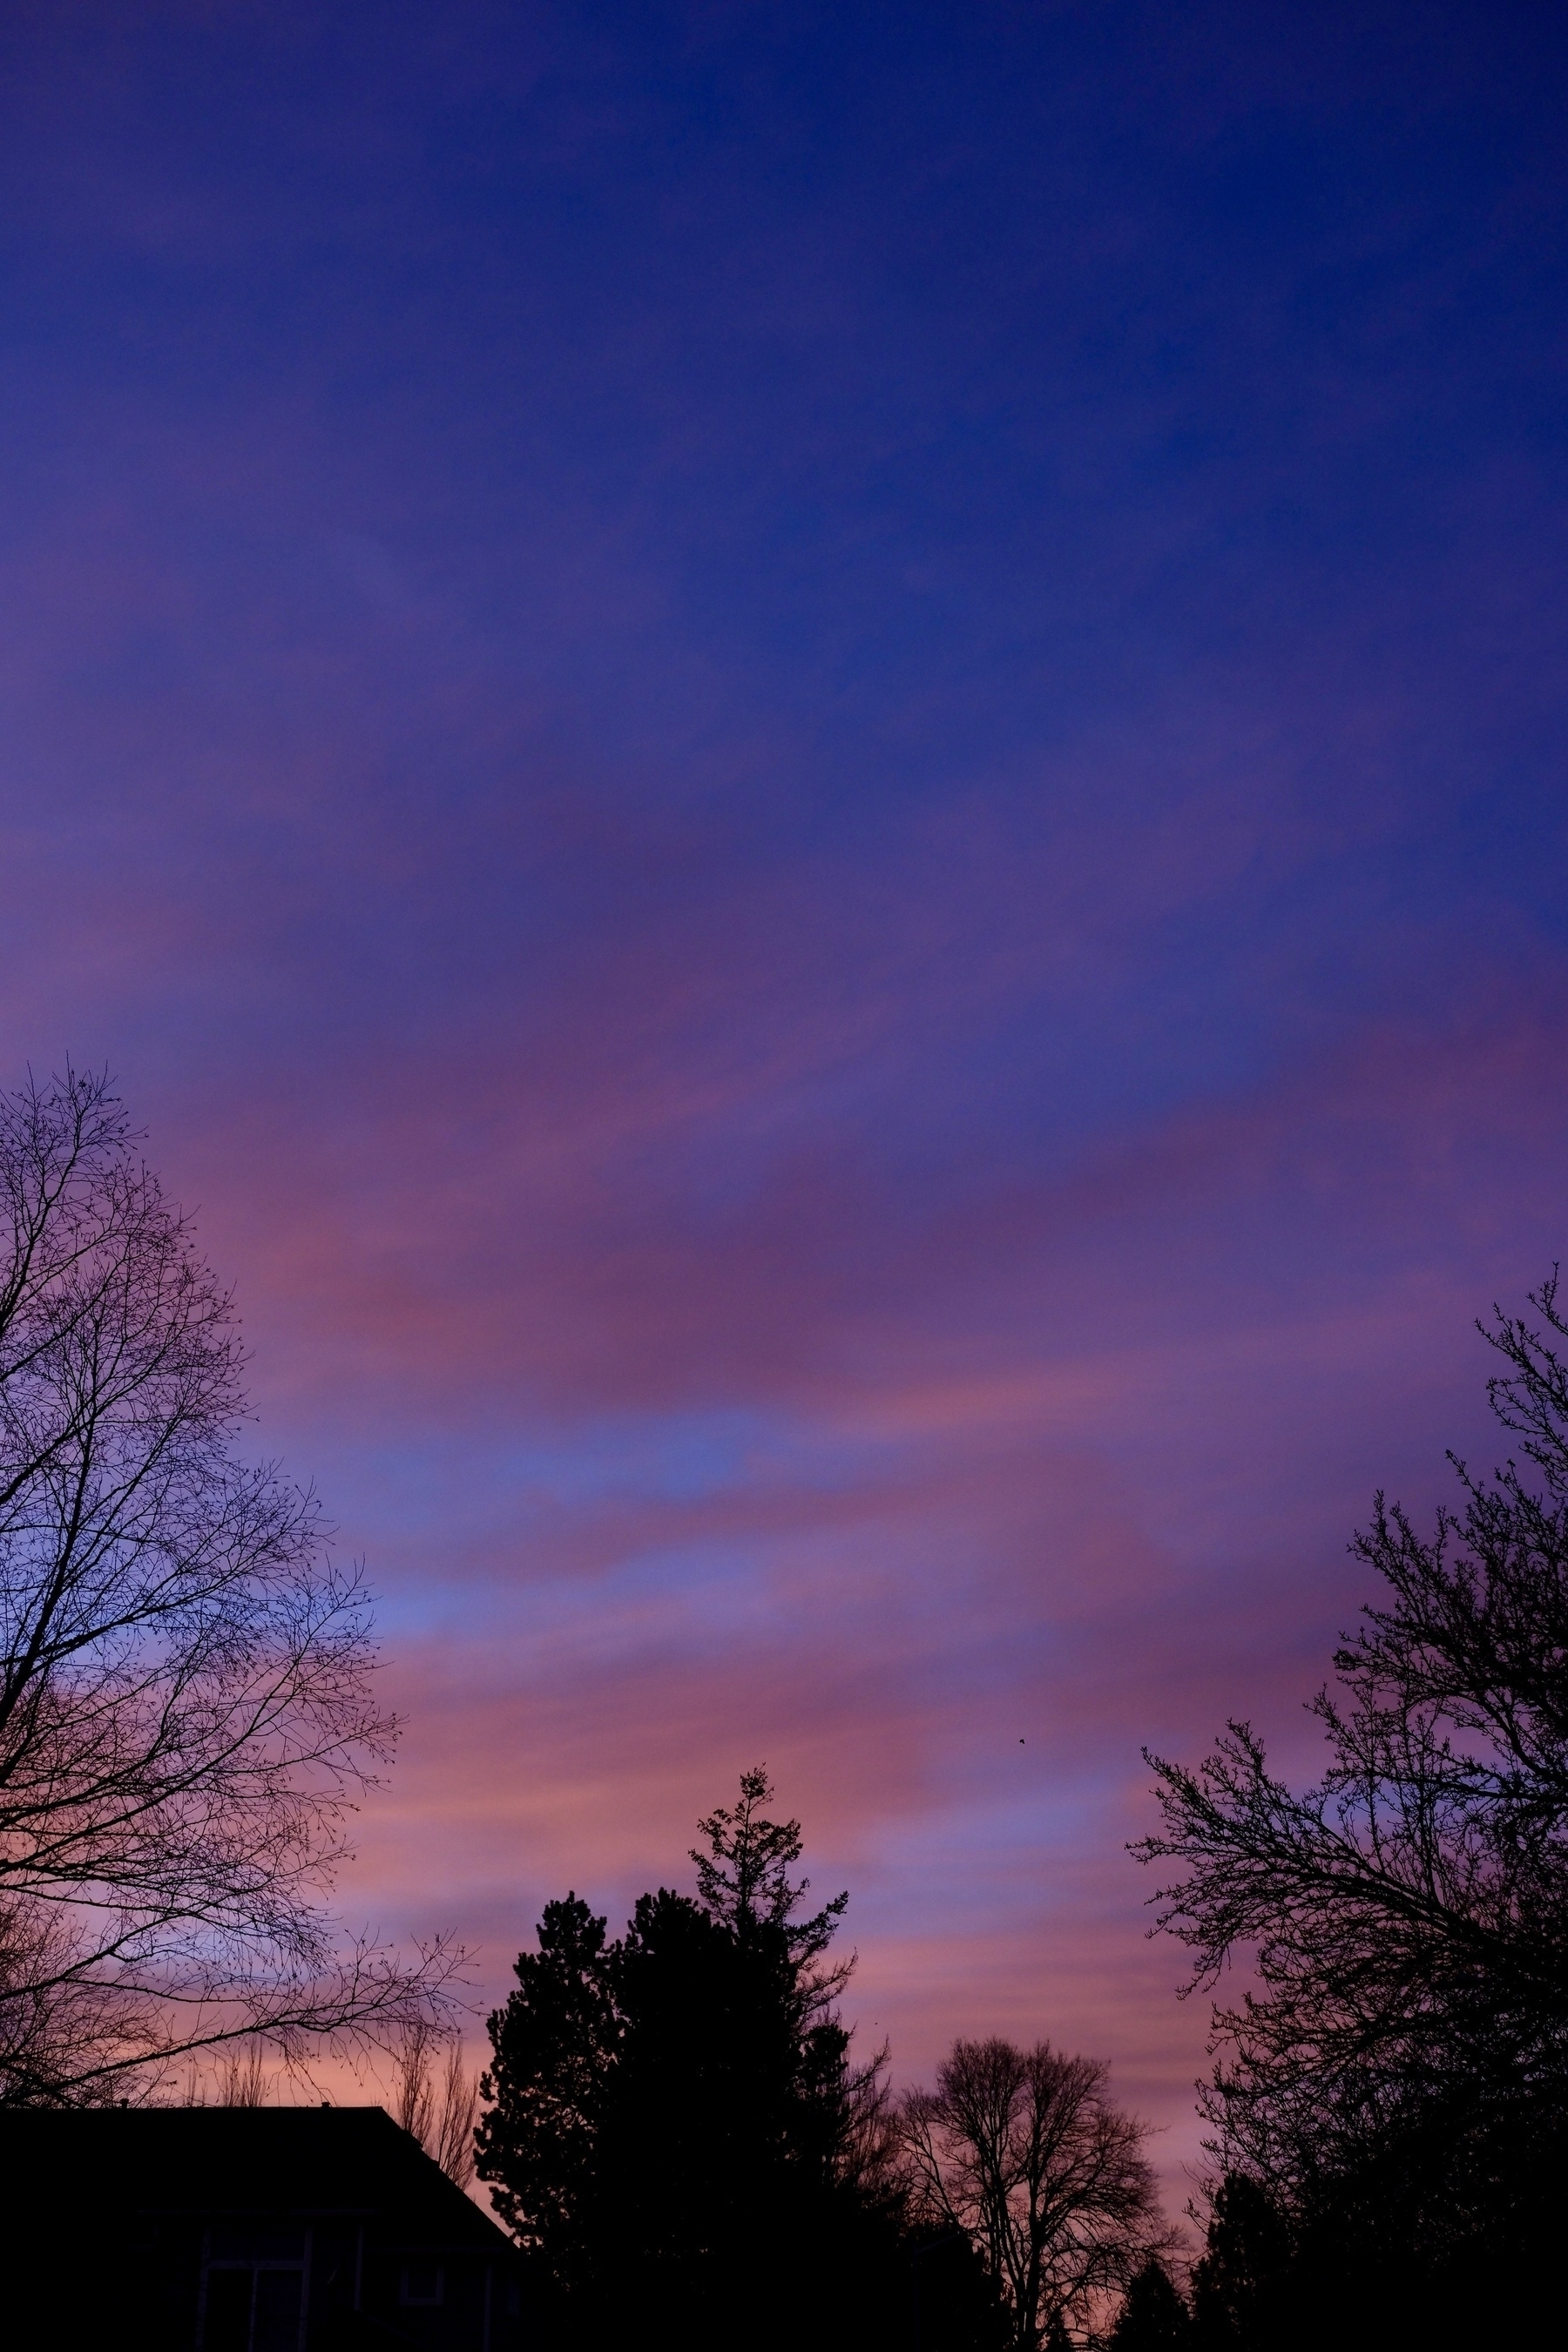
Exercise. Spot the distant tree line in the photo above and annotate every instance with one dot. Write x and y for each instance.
(676, 2131)
(677, 2134)
(673, 2124)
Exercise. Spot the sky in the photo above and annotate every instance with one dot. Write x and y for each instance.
(807, 763)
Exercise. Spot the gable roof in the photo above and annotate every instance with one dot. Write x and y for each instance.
(280, 2160)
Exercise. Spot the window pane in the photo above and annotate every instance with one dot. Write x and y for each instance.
(228, 2325)
(278, 2298)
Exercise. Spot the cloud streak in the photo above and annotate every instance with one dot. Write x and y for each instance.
(811, 780)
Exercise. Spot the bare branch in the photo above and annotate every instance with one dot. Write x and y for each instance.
(1406, 1920)
(1025, 2152)
(187, 1707)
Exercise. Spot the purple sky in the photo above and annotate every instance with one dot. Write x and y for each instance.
(808, 761)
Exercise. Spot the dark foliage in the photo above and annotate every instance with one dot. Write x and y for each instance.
(726, 2108)
(944, 2299)
(1399, 2084)
(744, 1878)
(1154, 2318)
(1244, 2288)
(554, 2048)
(676, 2133)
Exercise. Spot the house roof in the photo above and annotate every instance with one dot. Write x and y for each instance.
(348, 2160)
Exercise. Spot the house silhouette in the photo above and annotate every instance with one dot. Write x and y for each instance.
(243, 2230)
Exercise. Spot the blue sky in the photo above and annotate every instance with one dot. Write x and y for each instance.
(809, 764)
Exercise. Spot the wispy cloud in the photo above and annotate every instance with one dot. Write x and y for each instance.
(812, 781)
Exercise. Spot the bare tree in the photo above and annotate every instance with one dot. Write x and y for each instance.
(415, 2106)
(48, 2016)
(453, 2148)
(242, 2078)
(1025, 2152)
(1406, 1919)
(186, 1709)
(439, 2112)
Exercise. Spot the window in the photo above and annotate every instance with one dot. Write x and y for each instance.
(253, 2289)
(422, 2282)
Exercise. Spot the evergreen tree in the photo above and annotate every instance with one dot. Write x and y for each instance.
(1242, 2285)
(950, 2301)
(673, 2122)
(744, 1878)
(1154, 2318)
(556, 2048)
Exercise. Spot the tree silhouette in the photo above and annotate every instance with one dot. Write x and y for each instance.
(1025, 2151)
(555, 2046)
(1244, 2286)
(186, 1706)
(1153, 2317)
(1399, 2084)
(743, 1879)
(436, 2099)
(672, 2118)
